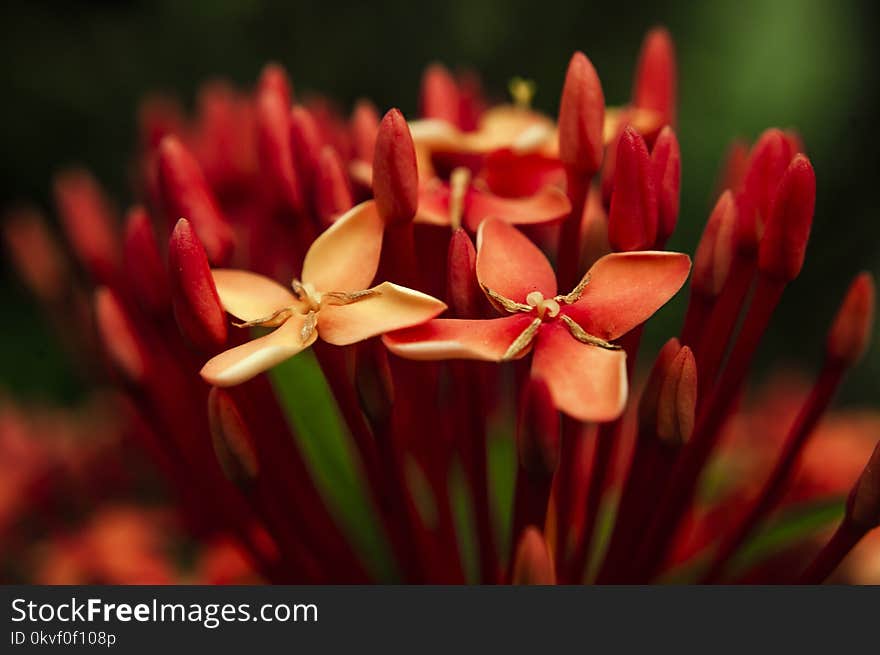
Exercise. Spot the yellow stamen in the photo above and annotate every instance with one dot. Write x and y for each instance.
(575, 293)
(585, 337)
(522, 341)
(309, 326)
(543, 305)
(522, 91)
(506, 303)
(458, 182)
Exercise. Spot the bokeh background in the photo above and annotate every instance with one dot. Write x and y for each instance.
(73, 72)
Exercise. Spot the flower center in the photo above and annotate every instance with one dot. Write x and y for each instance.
(546, 308)
(307, 293)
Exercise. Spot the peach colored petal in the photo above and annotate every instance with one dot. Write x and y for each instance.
(250, 296)
(587, 382)
(346, 255)
(509, 264)
(549, 204)
(625, 289)
(393, 307)
(243, 362)
(433, 204)
(447, 338)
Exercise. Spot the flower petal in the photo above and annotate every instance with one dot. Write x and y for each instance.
(393, 307)
(548, 204)
(346, 255)
(433, 203)
(243, 362)
(586, 382)
(250, 296)
(509, 264)
(625, 289)
(449, 338)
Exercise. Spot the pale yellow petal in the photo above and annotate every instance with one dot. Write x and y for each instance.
(345, 257)
(250, 296)
(243, 362)
(391, 307)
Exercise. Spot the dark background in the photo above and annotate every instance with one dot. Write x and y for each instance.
(72, 73)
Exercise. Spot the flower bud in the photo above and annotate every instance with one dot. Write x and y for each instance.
(197, 307)
(666, 165)
(734, 168)
(537, 434)
(716, 248)
(656, 82)
(439, 98)
(332, 195)
(274, 78)
(119, 337)
(649, 403)
(677, 402)
(273, 138)
(143, 262)
(185, 194)
(632, 218)
(784, 243)
(534, 562)
(581, 117)
(462, 287)
(231, 438)
(364, 128)
(863, 503)
(306, 143)
(851, 331)
(768, 160)
(89, 223)
(395, 173)
(36, 254)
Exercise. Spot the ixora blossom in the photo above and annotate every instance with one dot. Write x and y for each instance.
(330, 301)
(571, 334)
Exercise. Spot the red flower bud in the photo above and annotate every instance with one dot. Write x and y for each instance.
(537, 434)
(851, 331)
(716, 248)
(649, 403)
(734, 168)
(185, 194)
(143, 263)
(364, 128)
(120, 339)
(863, 504)
(197, 307)
(395, 173)
(632, 219)
(273, 138)
(768, 160)
(472, 101)
(158, 117)
(306, 142)
(656, 77)
(462, 288)
(89, 223)
(231, 438)
(784, 243)
(332, 194)
(274, 77)
(677, 402)
(36, 254)
(581, 117)
(534, 563)
(666, 164)
(439, 98)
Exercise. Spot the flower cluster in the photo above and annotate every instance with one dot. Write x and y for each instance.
(480, 270)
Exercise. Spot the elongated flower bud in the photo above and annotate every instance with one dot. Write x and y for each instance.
(534, 562)
(784, 243)
(863, 504)
(120, 339)
(656, 80)
(306, 142)
(439, 98)
(89, 223)
(273, 138)
(716, 248)
(650, 401)
(274, 77)
(197, 307)
(768, 160)
(332, 194)
(364, 128)
(232, 440)
(462, 287)
(36, 254)
(185, 194)
(851, 331)
(632, 219)
(677, 402)
(395, 173)
(143, 262)
(666, 164)
(537, 434)
(733, 169)
(581, 117)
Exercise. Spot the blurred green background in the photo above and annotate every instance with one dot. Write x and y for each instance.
(73, 72)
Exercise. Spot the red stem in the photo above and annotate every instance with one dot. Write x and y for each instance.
(829, 558)
(568, 260)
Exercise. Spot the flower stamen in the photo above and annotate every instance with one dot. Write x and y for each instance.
(506, 303)
(575, 294)
(458, 182)
(585, 337)
(522, 342)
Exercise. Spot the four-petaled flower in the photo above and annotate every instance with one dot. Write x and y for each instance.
(571, 334)
(330, 300)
